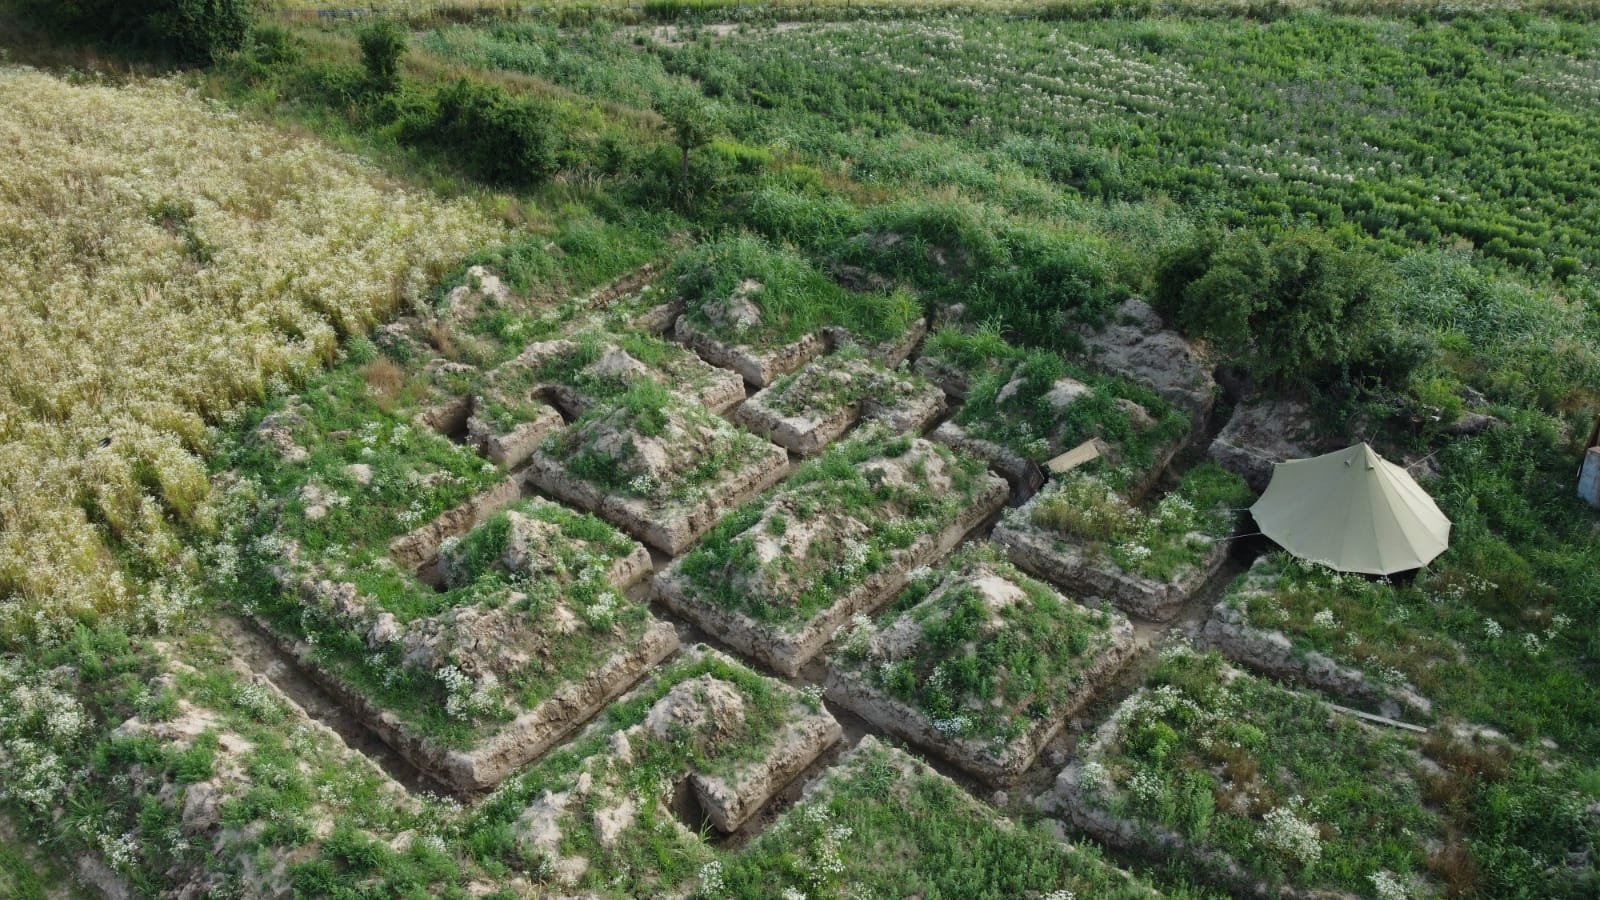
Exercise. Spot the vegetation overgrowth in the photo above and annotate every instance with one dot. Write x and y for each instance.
(1421, 169)
(1161, 542)
(992, 651)
(165, 263)
(1036, 403)
(1294, 794)
(840, 518)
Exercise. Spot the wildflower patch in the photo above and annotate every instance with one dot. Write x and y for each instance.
(1254, 784)
(1272, 652)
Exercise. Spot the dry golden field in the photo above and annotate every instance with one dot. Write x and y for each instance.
(162, 260)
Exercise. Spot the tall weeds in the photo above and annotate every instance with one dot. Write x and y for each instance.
(161, 262)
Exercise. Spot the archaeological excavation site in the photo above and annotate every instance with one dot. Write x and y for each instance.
(816, 450)
(670, 575)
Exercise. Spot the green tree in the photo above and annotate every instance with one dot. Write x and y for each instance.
(383, 45)
(195, 31)
(1295, 311)
(693, 122)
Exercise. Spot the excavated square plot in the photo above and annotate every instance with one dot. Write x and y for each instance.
(758, 365)
(1250, 783)
(807, 411)
(1024, 407)
(978, 663)
(527, 634)
(502, 428)
(706, 728)
(890, 353)
(657, 467)
(779, 576)
(1079, 534)
(591, 367)
(1277, 619)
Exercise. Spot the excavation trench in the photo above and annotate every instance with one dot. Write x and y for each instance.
(263, 657)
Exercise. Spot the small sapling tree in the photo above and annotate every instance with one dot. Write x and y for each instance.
(383, 45)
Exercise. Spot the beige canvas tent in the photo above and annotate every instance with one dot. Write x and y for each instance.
(1353, 510)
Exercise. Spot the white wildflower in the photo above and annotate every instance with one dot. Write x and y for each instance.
(1388, 887)
(1284, 831)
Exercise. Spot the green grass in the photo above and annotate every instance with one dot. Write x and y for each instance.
(1157, 543)
(794, 296)
(863, 522)
(884, 825)
(1220, 761)
(978, 678)
(655, 857)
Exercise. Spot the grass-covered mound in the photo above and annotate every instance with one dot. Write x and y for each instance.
(592, 365)
(1081, 534)
(806, 411)
(979, 662)
(1027, 406)
(658, 467)
(777, 576)
(602, 814)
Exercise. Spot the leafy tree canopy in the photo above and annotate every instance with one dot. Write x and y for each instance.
(1295, 310)
(195, 31)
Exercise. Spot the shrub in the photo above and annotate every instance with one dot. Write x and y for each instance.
(196, 31)
(514, 141)
(1299, 310)
(382, 46)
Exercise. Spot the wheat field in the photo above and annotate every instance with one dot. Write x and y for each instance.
(161, 262)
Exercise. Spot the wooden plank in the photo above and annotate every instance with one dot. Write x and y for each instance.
(1379, 720)
(1085, 452)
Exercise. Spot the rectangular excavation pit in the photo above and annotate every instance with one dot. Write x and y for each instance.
(810, 409)
(593, 365)
(659, 468)
(501, 429)
(1300, 623)
(1024, 407)
(706, 726)
(1081, 535)
(532, 635)
(978, 663)
(779, 576)
(1251, 784)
